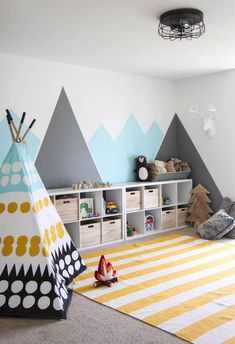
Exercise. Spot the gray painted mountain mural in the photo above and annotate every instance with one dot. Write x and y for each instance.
(64, 158)
(178, 144)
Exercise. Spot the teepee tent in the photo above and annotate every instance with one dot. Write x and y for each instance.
(37, 256)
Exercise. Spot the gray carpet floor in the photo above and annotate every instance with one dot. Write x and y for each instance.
(89, 323)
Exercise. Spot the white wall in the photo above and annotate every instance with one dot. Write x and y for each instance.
(107, 97)
(218, 153)
(96, 96)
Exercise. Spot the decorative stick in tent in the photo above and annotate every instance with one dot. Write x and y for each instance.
(11, 120)
(20, 126)
(10, 127)
(27, 131)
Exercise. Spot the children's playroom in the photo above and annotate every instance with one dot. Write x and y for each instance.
(117, 189)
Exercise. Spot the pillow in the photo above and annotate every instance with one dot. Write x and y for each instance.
(231, 234)
(232, 211)
(216, 226)
(226, 205)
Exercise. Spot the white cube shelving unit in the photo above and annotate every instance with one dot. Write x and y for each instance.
(135, 201)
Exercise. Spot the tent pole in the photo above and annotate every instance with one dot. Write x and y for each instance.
(27, 131)
(10, 128)
(20, 126)
(11, 121)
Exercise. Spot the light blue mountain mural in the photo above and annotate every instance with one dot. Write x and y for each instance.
(5, 138)
(115, 158)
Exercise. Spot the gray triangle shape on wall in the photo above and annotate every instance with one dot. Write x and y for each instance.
(64, 157)
(178, 144)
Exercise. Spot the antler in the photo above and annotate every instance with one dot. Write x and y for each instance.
(211, 107)
(193, 109)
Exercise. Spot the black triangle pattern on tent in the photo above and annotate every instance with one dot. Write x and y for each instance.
(64, 158)
(39, 292)
(67, 262)
(178, 144)
(32, 294)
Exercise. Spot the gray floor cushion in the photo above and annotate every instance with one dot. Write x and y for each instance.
(231, 234)
(217, 226)
(226, 205)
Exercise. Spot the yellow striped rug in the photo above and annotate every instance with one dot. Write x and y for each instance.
(181, 284)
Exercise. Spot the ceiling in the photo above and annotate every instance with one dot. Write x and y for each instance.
(118, 35)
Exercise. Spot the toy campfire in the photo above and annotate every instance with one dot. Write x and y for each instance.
(105, 275)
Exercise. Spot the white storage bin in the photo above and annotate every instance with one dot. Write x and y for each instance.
(111, 230)
(90, 234)
(133, 200)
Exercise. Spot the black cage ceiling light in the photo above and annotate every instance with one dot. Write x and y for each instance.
(181, 23)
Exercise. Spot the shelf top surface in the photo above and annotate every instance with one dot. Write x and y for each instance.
(69, 190)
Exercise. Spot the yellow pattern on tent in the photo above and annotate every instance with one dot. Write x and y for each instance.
(12, 207)
(2, 208)
(25, 207)
(23, 244)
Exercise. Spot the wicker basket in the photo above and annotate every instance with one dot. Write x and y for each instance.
(67, 208)
(168, 219)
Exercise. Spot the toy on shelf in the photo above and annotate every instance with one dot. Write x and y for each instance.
(86, 208)
(167, 201)
(173, 168)
(105, 275)
(141, 169)
(149, 223)
(145, 171)
(130, 230)
(90, 185)
(111, 208)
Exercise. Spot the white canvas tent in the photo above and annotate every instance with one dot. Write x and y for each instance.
(37, 256)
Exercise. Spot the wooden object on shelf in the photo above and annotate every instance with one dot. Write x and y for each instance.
(67, 208)
(199, 210)
(111, 230)
(182, 214)
(133, 200)
(153, 172)
(168, 219)
(151, 198)
(90, 234)
(171, 170)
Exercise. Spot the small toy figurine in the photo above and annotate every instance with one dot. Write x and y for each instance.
(105, 275)
(130, 230)
(149, 223)
(90, 185)
(111, 208)
(167, 201)
(141, 169)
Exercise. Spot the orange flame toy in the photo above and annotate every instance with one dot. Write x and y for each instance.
(105, 275)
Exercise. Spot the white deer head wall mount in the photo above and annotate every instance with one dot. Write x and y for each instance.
(208, 116)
